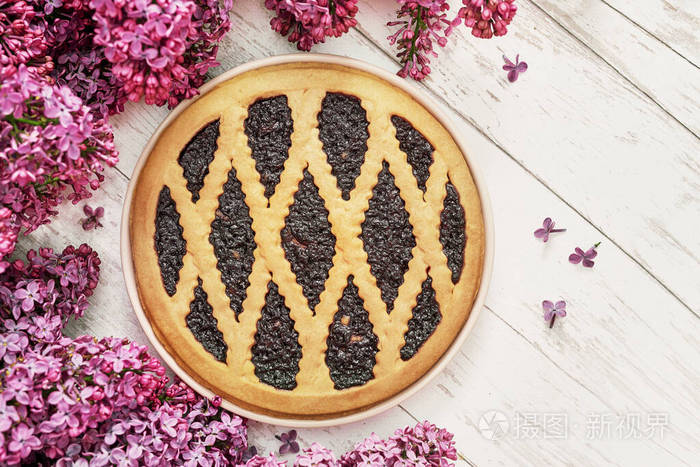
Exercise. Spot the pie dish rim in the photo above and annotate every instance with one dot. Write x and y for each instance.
(423, 99)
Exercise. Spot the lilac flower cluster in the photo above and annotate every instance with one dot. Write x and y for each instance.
(22, 41)
(488, 18)
(161, 49)
(72, 401)
(40, 294)
(100, 401)
(423, 444)
(308, 22)
(425, 21)
(49, 142)
(316, 456)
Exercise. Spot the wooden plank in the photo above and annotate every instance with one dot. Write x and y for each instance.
(627, 344)
(663, 75)
(674, 22)
(584, 131)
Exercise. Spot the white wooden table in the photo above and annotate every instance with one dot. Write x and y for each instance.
(601, 134)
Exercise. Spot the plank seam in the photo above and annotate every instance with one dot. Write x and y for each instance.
(651, 34)
(634, 85)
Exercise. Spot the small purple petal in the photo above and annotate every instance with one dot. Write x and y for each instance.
(547, 305)
(574, 258)
(521, 67)
(513, 76)
(294, 447)
(541, 233)
(99, 212)
(548, 315)
(87, 210)
(27, 304)
(579, 252)
(547, 223)
(560, 305)
(587, 263)
(591, 253)
(508, 62)
(284, 449)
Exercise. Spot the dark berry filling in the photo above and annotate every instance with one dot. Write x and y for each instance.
(269, 127)
(233, 240)
(453, 235)
(276, 352)
(352, 344)
(203, 325)
(387, 236)
(197, 156)
(342, 125)
(307, 240)
(169, 243)
(418, 150)
(426, 316)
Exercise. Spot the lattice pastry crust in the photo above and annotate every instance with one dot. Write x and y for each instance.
(229, 370)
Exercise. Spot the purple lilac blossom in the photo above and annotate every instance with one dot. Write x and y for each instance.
(51, 149)
(421, 22)
(488, 18)
(309, 22)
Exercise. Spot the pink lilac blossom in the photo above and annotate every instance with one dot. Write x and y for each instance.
(316, 456)
(72, 401)
(102, 401)
(423, 444)
(308, 22)
(40, 294)
(488, 18)
(22, 41)
(260, 461)
(89, 75)
(49, 142)
(424, 22)
(160, 50)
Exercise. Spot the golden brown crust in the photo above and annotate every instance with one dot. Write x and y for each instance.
(305, 85)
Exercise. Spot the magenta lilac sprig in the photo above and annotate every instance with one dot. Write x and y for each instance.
(160, 50)
(488, 18)
(37, 296)
(22, 40)
(309, 22)
(421, 22)
(552, 310)
(547, 228)
(316, 456)
(584, 257)
(51, 148)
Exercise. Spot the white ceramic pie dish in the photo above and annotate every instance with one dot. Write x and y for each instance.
(428, 103)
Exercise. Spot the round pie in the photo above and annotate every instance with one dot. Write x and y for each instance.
(307, 240)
